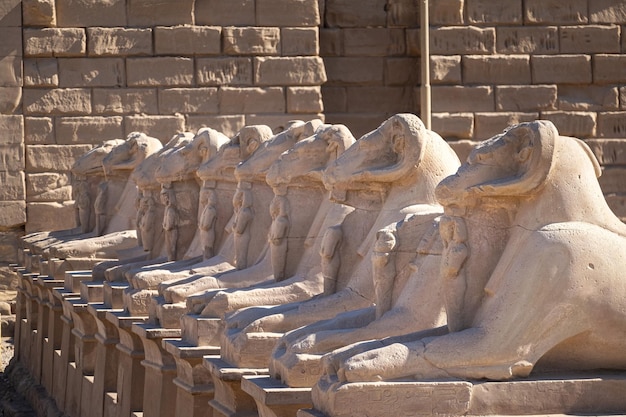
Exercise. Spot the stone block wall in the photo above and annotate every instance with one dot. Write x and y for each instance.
(12, 165)
(493, 63)
(92, 70)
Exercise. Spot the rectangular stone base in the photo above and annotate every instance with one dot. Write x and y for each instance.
(201, 331)
(230, 400)
(92, 291)
(600, 393)
(169, 314)
(113, 294)
(275, 399)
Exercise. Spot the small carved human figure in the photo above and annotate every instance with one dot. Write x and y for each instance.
(384, 269)
(455, 253)
(146, 224)
(242, 201)
(170, 222)
(277, 236)
(100, 208)
(141, 210)
(83, 203)
(206, 222)
(331, 260)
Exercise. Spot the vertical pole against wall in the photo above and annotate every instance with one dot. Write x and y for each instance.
(425, 62)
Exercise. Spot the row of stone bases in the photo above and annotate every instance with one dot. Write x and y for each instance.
(306, 273)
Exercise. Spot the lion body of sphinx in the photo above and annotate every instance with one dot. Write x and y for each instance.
(556, 298)
(541, 309)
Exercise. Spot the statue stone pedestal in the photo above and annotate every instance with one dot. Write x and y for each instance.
(230, 400)
(588, 393)
(275, 399)
(193, 381)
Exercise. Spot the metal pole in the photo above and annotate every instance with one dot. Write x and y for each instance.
(425, 99)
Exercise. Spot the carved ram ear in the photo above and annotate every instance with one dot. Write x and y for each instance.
(534, 155)
(409, 138)
(252, 146)
(339, 139)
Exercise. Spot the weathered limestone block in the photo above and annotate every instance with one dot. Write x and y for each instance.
(527, 40)
(579, 123)
(353, 70)
(454, 125)
(251, 41)
(484, 11)
(343, 13)
(87, 129)
(10, 13)
(252, 100)
(224, 71)
(459, 98)
(304, 100)
(609, 68)
(159, 126)
(12, 129)
(13, 187)
(12, 157)
(156, 12)
(589, 39)
(445, 69)
(496, 69)
(39, 12)
(160, 71)
(123, 101)
(55, 42)
(68, 101)
(46, 158)
(119, 41)
(401, 71)
(50, 216)
(561, 69)
(91, 72)
(228, 125)
(189, 100)
(374, 99)
(225, 12)
(611, 124)
(289, 71)
(187, 40)
(46, 186)
(462, 40)
(82, 13)
(607, 11)
(373, 42)
(526, 98)
(488, 124)
(588, 98)
(299, 41)
(12, 214)
(555, 12)
(287, 13)
(41, 72)
(39, 131)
